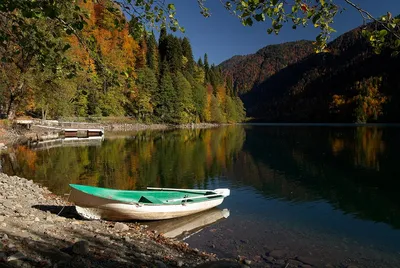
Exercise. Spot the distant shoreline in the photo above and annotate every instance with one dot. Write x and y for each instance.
(12, 134)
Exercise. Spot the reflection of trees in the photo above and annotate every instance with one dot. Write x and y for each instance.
(356, 174)
(369, 146)
(179, 158)
(354, 169)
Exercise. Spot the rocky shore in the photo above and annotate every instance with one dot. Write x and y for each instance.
(40, 229)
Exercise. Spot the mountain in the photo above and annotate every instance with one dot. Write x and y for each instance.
(249, 71)
(347, 84)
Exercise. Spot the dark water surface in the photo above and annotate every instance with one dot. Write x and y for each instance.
(329, 193)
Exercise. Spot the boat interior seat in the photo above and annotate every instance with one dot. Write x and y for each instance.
(149, 200)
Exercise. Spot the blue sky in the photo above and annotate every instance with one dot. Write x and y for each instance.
(222, 35)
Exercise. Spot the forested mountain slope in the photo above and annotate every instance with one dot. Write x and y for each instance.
(349, 83)
(249, 71)
(108, 68)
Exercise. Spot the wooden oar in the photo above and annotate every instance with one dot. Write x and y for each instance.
(196, 197)
(183, 190)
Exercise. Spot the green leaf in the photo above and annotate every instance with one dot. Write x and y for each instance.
(260, 17)
(316, 18)
(274, 2)
(383, 33)
(248, 21)
(171, 7)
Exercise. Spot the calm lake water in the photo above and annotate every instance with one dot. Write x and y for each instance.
(330, 193)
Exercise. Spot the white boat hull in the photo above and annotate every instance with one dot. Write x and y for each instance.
(93, 207)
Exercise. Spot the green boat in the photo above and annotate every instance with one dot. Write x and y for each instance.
(151, 204)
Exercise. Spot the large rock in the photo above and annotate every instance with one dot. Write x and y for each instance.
(121, 227)
(81, 247)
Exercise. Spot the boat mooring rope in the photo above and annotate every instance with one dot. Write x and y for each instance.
(69, 195)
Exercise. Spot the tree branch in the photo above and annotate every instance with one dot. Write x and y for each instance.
(370, 17)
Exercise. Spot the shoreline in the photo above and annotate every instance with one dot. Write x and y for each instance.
(40, 229)
(10, 135)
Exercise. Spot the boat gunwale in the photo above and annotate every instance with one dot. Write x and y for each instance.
(140, 204)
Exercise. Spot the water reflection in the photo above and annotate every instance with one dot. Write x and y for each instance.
(184, 158)
(352, 168)
(182, 228)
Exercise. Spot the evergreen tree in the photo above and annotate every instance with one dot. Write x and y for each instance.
(141, 57)
(165, 97)
(200, 63)
(152, 55)
(188, 54)
(174, 53)
(229, 85)
(206, 65)
(199, 95)
(162, 43)
(199, 101)
(184, 105)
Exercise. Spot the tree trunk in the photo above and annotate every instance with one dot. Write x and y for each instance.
(45, 109)
(11, 111)
(13, 102)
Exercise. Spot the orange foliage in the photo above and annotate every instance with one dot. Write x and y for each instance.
(209, 151)
(207, 109)
(369, 145)
(337, 146)
(29, 156)
(221, 94)
(117, 48)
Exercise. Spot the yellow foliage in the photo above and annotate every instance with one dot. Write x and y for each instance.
(117, 48)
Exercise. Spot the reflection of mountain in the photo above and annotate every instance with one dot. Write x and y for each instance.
(351, 168)
(184, 227)
(178, 158)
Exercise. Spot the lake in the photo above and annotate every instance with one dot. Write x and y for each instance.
(326, 192)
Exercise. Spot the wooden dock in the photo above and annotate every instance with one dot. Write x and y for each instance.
(83, 133)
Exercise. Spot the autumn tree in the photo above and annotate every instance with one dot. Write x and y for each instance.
(143, 101)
